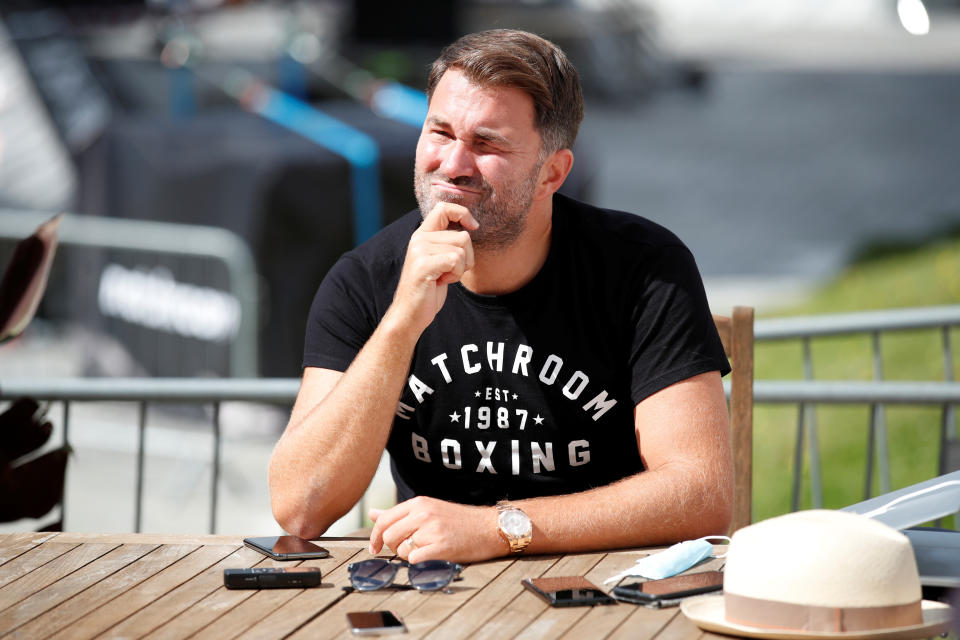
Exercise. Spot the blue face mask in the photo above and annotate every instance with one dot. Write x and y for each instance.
(671, 561)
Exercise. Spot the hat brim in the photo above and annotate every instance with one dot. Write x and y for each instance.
(708, 614)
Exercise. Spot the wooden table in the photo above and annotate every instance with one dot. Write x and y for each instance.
(68, 585)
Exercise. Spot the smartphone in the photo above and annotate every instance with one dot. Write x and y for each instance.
(673, 588)
(286, 548)
(568, 591)
(374, 623)
(271, 578)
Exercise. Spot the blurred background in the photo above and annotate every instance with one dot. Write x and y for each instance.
(216, 157)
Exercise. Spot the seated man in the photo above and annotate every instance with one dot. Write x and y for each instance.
(516, 352)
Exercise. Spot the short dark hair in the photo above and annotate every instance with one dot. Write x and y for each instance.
(512, 58)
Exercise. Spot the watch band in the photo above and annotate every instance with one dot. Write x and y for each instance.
(517, 542)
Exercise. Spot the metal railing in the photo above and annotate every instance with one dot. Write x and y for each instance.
(146, 391)
(164, 238)
(876, 394)
(803, 393)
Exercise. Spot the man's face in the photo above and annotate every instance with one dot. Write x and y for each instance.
(479, 148)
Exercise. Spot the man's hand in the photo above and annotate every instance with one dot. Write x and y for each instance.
(438, 530)
(436, 256)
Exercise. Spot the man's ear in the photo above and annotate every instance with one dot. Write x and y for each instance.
(554, 171)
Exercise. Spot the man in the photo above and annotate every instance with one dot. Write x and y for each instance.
(509, 345)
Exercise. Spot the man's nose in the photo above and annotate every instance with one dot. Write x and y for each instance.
(458, 161)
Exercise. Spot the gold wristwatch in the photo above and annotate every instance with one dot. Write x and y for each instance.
(514, 526)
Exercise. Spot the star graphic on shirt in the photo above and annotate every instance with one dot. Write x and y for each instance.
(454, 417)
(476, 394)
(538, 419)
(514, 396)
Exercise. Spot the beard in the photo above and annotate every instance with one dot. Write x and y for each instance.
(502, 213)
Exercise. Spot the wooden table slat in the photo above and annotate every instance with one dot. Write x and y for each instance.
(210, 609)
(309, 602)
(527, 606)
(63, 621)
(432, 609)
(45, 599)
(251, 611)
(151, 538)
(48, 573)
(424, 611)
(494, 596)
(331, 621)
(680, 627)
(170, 605)
(32, 558)
(601, 620)
(136, 586)
(14, 544)
(333, 624)
(646, 622)
(156, 579)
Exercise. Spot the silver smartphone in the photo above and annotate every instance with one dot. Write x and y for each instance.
(375, 623)
(286, 548)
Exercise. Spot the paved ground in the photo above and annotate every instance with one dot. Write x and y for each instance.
(777, 177)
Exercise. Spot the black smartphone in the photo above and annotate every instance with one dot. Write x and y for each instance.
(286, 548)
(271, 578)
(374, 623)
(569, 591)
(673, 588)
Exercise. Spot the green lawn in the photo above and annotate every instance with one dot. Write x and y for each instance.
(891, 277)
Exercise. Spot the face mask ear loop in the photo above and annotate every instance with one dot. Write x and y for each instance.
(707, 538)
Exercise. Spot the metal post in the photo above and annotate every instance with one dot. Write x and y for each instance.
(871, 446)
(880, 423)
(216, 468)
(798, 460)
(944, 460)
(813, 442)
(66, 444)
(947, 355)
(949, 410)
(141, 443)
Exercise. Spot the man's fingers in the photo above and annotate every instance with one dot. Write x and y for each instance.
(444, 213)
(448, 236)
(392, 526)
(400, 532)
(382, 521)
(423, 552)
(436, 256)
(442, 262)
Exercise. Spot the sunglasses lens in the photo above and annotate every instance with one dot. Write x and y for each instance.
(371, 574)
(431, 575)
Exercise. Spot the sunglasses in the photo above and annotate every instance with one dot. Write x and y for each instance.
(377, 573)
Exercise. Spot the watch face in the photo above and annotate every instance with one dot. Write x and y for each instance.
(515, 523)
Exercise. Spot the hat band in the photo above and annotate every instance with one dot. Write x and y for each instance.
(758, 612)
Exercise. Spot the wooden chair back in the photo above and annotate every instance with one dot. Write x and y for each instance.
(736, 333)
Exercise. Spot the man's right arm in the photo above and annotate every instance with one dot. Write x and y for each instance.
(340, 423)
(336, 435)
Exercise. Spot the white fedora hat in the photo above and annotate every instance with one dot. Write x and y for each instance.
(820, 574)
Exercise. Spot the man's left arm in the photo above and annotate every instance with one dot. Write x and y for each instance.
(685, 492)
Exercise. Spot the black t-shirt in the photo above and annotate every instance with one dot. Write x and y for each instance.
(529, 393)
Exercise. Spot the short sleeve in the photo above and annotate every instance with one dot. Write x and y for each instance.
(342, 317)
(674, 336)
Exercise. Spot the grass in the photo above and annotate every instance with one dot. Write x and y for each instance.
(883, 277)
